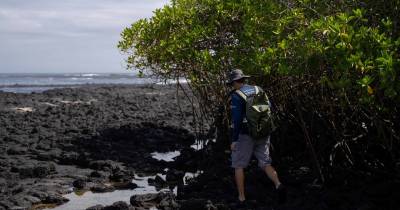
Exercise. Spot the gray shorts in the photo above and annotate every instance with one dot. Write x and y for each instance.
(245, 147)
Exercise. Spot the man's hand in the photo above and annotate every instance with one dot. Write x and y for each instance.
(233, 146)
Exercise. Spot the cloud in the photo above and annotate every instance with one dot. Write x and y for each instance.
(36, 29)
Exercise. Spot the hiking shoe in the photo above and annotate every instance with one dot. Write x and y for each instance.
(281, 193)
(241, 204)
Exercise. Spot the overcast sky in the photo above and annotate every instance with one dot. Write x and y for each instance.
(66, 36)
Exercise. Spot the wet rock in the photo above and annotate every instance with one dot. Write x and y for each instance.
(55, 199)
(126, 185)
(174, 176)
(158, 181)
(163, 200)
(144, 200)
(119, 175)
(120, 205)
(32, 199)
(101, 188)
(96, 174)
(96, 207)
(168, 202)
(79, 183)
(103, 165)
(38, 194)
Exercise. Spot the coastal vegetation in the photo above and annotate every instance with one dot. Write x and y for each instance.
(331, 67)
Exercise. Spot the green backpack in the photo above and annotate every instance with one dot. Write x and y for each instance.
(259, 116)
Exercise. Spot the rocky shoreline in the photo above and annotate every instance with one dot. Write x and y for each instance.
(85, 138)
(100, 138)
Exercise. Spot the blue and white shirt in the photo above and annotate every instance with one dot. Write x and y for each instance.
(238, 111)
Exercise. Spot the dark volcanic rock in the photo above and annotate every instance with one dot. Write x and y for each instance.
(96, 174)
(69, 158)
(43, 170)
(146, 200)
(162, 200)
(104, 165)
(51, 155)
(126, 185)
(197, 204)
(96, 207)
(34, 170)
(102, 188)
(79, 184)
(175, 176)
(110, 129)
(157, 181)
(55, 199)
(120, 205)
(17, 150)
(120, 175)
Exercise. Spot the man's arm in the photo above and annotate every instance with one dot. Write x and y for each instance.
(237, 116)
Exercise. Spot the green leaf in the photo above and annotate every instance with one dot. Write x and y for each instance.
(283, 44)
(358, 13)
(366, 80)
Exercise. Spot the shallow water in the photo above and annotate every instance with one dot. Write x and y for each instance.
(166, 156)
(88, 199)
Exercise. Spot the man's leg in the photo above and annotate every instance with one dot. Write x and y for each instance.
(239, 177)
(271, 173)
(261, 151)
(264, 161)
(241, 156)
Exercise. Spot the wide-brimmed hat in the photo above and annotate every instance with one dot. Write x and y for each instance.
(236, 74)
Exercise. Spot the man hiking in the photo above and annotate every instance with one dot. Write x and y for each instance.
(243, 145)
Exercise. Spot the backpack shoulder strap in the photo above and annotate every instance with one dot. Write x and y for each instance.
(241, 94)
(257, 89)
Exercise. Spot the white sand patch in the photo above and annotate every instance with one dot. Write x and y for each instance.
(49, 104)
(155, 93)
(91, 101)
(23, 109)
(71, 102)
(79, 102)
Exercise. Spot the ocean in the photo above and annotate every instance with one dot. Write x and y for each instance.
(28, 83)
